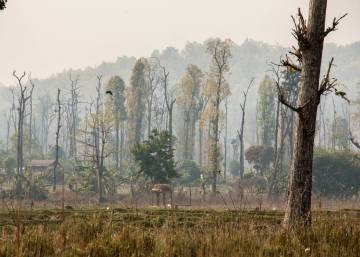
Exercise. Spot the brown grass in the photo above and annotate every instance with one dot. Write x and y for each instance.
(156, 232)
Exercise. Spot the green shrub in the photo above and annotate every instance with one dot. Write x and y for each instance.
(336, 173)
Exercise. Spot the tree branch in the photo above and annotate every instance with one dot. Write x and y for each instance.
(334, 25)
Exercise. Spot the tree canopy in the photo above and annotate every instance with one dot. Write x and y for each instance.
(155, 157)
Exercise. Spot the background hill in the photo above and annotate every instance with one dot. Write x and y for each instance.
(250, 59)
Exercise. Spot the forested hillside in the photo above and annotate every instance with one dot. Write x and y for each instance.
(250, 59)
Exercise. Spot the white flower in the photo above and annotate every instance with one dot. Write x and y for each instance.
(107, 208)
(307, 250)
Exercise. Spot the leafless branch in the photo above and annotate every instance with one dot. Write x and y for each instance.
(335, 23)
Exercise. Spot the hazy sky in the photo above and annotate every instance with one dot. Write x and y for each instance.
(47, 36)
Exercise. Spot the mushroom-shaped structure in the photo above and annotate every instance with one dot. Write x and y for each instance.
(162, 189)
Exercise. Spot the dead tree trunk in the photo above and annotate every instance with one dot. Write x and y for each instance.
(310, 39)
(23, 97)
(56, 164)
(31, 118)
(241, 132)
(99, 144)
(169, 100)
(74, 101)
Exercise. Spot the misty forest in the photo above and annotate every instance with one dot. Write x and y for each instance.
(216, 149)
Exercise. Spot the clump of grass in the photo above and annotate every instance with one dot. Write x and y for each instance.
(181, 233)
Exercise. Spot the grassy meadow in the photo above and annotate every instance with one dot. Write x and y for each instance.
(108, 232)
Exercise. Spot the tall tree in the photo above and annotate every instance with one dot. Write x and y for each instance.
(31, 125)
(44, 109)
(96, 141)
(188, 102)
(73, 114)
(136, 102)
(152, 80)
(116, 104)
(58, 126)
(220, 52)
(24, 94)
(241, 132)
(169, 99)
(266, 110)
(310, 37)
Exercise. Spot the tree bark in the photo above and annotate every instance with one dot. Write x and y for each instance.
(311, 40)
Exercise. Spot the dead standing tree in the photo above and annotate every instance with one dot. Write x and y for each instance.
(73, 114)
(310, 38)
(56, 164)
(169, 100)
(241, 132)
(31, 116)
(152, 82)
(24, 94)
(96, 141)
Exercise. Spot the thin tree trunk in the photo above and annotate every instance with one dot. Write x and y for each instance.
(56, 164)
(225, 139)
(117, 143)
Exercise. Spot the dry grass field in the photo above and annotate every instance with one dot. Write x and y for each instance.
(109, 232)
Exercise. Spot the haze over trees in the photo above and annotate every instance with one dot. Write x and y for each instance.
(216, 116)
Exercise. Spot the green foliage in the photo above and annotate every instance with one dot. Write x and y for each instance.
(260, 156)
(116, 86)
(234, 167)
(189, 172)
(83, 181)
(137, 100)
(336, 173)
(189, 104)
(290, 84)
(9, 165)
(155, 157)
(266, 110)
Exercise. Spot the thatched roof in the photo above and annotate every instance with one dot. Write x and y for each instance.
(41, 163)
(161, 188)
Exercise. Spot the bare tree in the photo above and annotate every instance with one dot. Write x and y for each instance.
(169, 99)
(31, 116)
(56, 164)
(46, 117)
(73, 114)
(310, 37)
(96, 141)
(152, 82)
(241, 132)
(24, 94)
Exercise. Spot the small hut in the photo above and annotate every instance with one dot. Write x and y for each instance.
(162, 189)
(39, 167)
